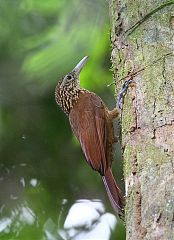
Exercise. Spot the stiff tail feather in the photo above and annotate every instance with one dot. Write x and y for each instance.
(114, 193)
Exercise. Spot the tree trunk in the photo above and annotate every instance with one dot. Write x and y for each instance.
(142, 36)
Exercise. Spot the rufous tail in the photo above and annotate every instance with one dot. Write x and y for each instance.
(114, 193)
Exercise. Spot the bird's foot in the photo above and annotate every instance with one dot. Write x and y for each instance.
(114, 113)
(123, 91)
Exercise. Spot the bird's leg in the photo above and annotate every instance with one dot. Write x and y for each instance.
(114, 113)
(123, 91)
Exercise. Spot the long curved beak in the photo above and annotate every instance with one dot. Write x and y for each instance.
(80, 65)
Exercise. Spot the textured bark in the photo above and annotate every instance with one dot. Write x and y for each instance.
(142, 34)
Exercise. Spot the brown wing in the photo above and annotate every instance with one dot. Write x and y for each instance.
(88, 123)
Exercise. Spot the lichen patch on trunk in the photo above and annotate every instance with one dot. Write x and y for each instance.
(141, 33)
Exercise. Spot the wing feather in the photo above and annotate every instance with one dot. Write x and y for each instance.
(89, 126)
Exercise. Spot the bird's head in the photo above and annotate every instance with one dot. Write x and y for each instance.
(67, 90)
(72, 79)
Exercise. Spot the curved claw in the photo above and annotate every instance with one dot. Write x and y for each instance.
(123, 92)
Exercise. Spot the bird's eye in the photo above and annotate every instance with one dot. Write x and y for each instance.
(69, 77)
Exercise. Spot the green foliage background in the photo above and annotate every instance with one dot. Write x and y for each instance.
(40, 41)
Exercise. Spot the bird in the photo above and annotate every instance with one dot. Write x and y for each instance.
(92, 123)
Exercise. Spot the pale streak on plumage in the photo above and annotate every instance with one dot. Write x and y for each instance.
(66, 97)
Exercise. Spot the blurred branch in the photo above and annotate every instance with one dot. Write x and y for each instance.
(137, 24)
(133, 74)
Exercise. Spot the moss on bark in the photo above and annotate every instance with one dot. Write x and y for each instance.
(148, 114)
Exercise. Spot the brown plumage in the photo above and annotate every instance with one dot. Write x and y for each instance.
(92, 123)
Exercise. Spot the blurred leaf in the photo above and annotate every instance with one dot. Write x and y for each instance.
(40, 41)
